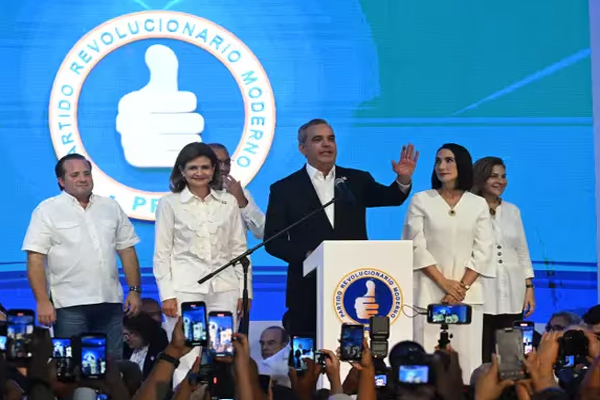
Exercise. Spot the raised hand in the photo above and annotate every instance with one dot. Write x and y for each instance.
(405, 167)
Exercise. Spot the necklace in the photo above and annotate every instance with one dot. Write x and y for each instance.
(492, 209)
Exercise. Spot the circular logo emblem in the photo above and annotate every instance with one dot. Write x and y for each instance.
(366, 293)
(156, 120)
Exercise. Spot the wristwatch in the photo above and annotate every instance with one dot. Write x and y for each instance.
(529, 286)
(169, 359)
(137, 289)
(467, 287)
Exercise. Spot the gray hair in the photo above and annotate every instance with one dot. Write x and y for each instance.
(303, 130)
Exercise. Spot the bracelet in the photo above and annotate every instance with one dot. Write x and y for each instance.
(529, 286)
(137, 289)
(169, 359)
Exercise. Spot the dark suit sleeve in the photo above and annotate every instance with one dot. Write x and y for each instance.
(277, 220)
(377, 195)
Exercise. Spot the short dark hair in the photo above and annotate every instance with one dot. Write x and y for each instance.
(464, 167)
(592, 316)
(143, 325)
(59, 169)
(188, 153)
(218, 146)
(285, 337)
(302, 131)
(482, 170)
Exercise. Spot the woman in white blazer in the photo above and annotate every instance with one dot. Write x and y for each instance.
(198, 229)
(452, 236)
(511, 293)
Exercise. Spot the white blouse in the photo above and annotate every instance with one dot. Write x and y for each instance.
(194, 237)
(450, 242)
(506, 293)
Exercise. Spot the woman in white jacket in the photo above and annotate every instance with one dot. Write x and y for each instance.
(452, 238)
(511, 293)
(198, 229)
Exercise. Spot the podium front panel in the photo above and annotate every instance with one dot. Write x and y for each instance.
(360, 279)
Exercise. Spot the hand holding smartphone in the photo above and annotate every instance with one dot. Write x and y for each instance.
(195, 327)
(93, 355)
(19, 329)
(62, 354)
(526, 328)
(509, 350)
(220, 333)
(303, 347)
(351, 343)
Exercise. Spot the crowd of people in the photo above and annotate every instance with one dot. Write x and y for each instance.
(469, 248)
(270, 376)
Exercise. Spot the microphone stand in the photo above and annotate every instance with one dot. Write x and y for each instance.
(245, 262)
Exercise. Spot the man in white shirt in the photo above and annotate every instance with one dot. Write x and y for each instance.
(71, 246)
(253, 217)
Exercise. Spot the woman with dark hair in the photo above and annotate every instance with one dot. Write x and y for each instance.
(511, 293)
(144, 340)
(452, 238)
(198, 229)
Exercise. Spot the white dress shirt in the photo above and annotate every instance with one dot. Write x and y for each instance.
(450, 242)
(138, 356)
(506, 293)
(325, 188)
(194, 237)
(80, 247)
(253, 217)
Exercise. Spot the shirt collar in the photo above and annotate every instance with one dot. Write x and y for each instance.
(186, 195)
(315, 173)
(73, 200)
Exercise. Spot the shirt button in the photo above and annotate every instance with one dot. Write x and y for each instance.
(499, 253)
(499, 247)
(499, 261)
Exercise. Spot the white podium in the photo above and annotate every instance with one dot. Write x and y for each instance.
(351, 277)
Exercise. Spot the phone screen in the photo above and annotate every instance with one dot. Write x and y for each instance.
(2, 336)
(413, 374)
(194, 323)
(20, 325)
(93, 356)
(220, 327)
(526, 329)
(351, 344)
(303, 348)
(449, 314)
(380, 380)
(62, 353)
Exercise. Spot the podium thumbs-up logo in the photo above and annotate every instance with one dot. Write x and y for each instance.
(366, 293)
(366, 306)
(158, 120)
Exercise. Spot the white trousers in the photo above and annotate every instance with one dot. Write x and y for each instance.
(466, 340)
(215, 301)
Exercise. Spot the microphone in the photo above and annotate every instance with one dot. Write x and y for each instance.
(345, 192)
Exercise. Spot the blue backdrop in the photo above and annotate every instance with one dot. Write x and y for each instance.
(511, 81)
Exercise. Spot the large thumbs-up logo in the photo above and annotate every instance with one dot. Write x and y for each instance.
(366, 306)
(158, 120)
